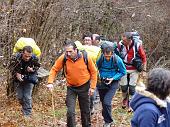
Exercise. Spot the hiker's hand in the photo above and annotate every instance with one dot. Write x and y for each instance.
(91, 91)
(30, 69)
(109, 81)
(19, 77)
(50, 87)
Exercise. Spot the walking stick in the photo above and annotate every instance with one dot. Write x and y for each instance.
(53, 108)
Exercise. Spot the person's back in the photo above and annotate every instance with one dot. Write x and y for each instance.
(151, 105)
(148, 110)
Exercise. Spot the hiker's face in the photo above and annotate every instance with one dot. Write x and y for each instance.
(108, 55)
(96, 42)
(87, 41)
(71, 52)
(26, 56)
(126, 41)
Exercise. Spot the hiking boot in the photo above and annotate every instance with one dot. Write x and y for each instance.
(125, 103)
(107, 124)
(130, 109)
(92, 111)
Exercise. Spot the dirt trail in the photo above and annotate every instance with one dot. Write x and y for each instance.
(11, 116)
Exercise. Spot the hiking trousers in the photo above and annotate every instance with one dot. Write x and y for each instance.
(128, 83)
(84, 103)
(24, 95)
(106, 96)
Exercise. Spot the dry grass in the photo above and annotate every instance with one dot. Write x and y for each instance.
(43, 114)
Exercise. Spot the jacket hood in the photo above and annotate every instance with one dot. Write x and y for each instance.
(142, 96)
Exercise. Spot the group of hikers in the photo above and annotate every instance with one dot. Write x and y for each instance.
(117, 65)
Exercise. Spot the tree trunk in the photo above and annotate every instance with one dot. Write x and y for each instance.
(8, 49)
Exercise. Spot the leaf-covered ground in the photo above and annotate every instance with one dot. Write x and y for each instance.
(45, 116)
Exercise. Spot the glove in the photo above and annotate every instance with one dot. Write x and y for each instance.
(50, 87)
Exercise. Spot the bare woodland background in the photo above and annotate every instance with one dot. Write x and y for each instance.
(49, 22)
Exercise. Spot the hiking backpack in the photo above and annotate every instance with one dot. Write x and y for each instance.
(22, 42)
(136, 61)
(136, 37)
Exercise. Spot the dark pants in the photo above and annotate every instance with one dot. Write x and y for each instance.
(24, 95)
(106, 96)
(84, 103)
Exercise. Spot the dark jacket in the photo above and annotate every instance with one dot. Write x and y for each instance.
(149, 110)
(17, 65)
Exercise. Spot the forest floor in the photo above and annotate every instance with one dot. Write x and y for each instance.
(45, 115)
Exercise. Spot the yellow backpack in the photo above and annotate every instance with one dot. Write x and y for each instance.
(92, 51)
(26, 42)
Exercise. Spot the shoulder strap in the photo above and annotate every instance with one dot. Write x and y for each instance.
(115, 61)
(64, 66)
(100, 61)
(136, 48)
(64, 60)
(131, 46)
(120, 47)
(85, 57)
(34, 56)
(18, 55)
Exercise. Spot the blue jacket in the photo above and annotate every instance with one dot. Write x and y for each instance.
(149, 111)
(112, 69)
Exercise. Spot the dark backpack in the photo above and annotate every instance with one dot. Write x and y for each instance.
(29, 77)
(137, 61)
(84, 57)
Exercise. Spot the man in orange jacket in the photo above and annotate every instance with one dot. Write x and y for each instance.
(81, 82)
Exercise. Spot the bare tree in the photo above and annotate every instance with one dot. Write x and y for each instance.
(49, 22)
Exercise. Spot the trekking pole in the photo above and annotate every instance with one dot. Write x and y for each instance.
(53, 108)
